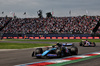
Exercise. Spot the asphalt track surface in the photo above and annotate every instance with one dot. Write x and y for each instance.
(22, 56)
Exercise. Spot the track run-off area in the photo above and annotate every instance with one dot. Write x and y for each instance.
(65, 60)
(22, 57)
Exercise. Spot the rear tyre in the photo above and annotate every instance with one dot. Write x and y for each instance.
(74, 51)
(94, 44)
(58, 52)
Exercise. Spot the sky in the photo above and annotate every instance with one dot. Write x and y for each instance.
(60, 8)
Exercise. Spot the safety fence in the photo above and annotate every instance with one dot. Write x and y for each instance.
(50, 37)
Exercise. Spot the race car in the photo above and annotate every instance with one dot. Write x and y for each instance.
(86, 43)
(59, 50)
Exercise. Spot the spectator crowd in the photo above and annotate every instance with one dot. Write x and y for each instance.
(70, 25)
(3, 21)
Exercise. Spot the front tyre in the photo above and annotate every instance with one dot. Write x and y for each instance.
(80, 44)
(33, 54)
(38, 51)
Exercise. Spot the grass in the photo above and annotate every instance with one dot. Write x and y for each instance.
(31, 45)
(54, 40)
(21, 45)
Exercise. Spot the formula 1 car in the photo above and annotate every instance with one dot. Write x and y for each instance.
(86, 43)
(60, 50)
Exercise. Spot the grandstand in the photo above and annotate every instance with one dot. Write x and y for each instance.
(55, 26)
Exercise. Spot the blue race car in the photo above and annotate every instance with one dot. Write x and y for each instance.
(58, 50)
